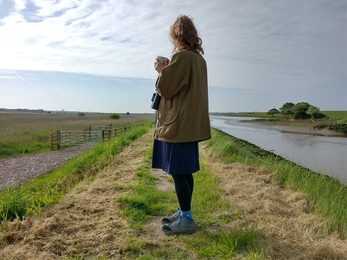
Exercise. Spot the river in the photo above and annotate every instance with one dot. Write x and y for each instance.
(322, 154)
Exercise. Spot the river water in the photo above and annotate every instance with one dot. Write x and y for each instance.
(322, 154)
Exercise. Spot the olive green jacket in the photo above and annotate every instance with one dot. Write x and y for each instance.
(183, 114)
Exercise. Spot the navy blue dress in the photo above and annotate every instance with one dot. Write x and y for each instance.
(176, 158)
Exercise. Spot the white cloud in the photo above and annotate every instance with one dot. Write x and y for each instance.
(20, 4)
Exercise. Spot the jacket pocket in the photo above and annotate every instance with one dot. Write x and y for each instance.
(168, 125)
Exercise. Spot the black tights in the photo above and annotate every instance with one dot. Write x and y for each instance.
(184, 185)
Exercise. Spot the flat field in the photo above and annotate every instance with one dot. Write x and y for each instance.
(336, 115)
(27, 133)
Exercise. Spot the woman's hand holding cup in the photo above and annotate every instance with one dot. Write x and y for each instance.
(160, 63)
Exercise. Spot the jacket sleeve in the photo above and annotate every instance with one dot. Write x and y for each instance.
(174, 77)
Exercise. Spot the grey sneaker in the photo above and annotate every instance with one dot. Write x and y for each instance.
(172, 218)
(182, 225)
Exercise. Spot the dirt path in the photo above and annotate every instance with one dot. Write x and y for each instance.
(89, 221)
(17, 170)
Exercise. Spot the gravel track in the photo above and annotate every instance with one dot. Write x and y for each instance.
(17, 170)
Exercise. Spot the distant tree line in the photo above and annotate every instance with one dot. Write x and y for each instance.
(301, 110)
(63, 111)
(23, 110)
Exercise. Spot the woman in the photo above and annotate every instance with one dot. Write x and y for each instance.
(182, 119)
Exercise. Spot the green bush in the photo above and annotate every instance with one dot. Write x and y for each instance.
(318, 115)
(114, 116)
(301, 115)
(81, 114)
(334, 127)
(339, 128)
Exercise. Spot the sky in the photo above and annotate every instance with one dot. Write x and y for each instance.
(98, 55)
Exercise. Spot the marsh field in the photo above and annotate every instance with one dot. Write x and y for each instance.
(28, 133)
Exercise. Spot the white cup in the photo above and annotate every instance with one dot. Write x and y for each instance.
(162, 59)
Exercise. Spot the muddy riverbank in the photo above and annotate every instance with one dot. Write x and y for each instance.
(306, 130)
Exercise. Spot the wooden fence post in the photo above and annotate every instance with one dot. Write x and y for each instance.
(102, 135)
(51, 142)
(58, 139)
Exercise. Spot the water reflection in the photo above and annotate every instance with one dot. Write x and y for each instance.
(326, 155)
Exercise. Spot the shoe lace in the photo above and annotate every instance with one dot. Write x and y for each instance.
(177, 222)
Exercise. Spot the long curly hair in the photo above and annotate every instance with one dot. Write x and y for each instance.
(184, 35)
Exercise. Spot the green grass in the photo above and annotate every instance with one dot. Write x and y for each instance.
(224, 244)
(51, 187)
(327, 197)
(137, 249)
(24, 142)
(336, 114)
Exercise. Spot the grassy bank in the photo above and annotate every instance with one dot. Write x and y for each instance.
(326, 196)
(28, 133)
(49, 188)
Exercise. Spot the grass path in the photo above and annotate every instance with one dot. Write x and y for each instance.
(88, 223)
